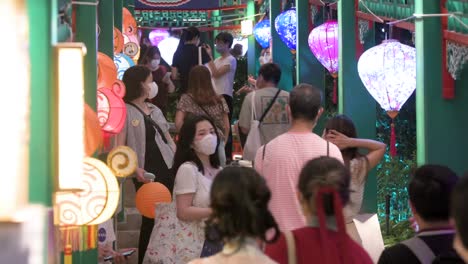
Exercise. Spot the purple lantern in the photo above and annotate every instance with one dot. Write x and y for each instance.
(323, 42)
(157, 36)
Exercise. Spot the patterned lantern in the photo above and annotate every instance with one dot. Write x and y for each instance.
(323, 42)
(262, 33)
(106, 71)
(123, 161)
(388, 71)
(286, 26)
(111, 108)
(93, 133)
(158, 35)
(122, 62)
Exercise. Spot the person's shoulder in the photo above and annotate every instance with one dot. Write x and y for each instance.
(189, 165)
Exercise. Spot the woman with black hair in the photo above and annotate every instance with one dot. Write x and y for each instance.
(240, 217)
(196, 162)
(323, 190)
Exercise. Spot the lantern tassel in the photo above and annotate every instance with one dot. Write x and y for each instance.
(393, 151)
(335, 95)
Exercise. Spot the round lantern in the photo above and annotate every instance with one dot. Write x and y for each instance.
(107, 72)
(286, 26)
(323, 42)
(118, 41)
(168, 47)
(149, 195)
(111, 107)
(122, 62)
(93, 134)
(158, 35)
(131, 47)
(388, 71)
(262, 33)
(122, 160)
(97, 200)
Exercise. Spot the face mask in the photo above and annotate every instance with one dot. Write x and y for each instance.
(153, 91)
(267, 58)
(155, 64)
(219, 49)
(206, 145)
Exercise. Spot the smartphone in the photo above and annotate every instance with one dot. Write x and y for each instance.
(125, 254)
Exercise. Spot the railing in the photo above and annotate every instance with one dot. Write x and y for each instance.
(391, 9)
(457, 6)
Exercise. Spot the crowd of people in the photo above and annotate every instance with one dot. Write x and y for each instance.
(297, 199)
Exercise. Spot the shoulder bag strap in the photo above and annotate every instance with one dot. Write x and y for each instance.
(291, 245)
(269, 106)
(201, 107)
(420, 249)
(153, 123)
(328, 148)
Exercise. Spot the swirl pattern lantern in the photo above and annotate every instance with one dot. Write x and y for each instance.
(122, 62)
(388, 71)
(111, 108)
(286, 26)
(262, 33)
(122, 160)
(97, 200)
(323, 42)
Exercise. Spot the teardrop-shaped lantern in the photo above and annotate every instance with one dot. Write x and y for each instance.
(388, 72)
(286, 26)
(323, 42)
(262, 33)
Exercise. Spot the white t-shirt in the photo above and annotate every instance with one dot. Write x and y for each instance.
(224, 84)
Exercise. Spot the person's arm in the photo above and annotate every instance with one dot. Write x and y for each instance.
(174, 73)
(187, 212)
(227, 126)
(215, 72)
(179, 119)
(245, 115)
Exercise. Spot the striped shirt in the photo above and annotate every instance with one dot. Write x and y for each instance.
(284, 158)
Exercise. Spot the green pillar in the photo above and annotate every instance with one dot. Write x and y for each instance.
(86, 21)
(118, 5)
(441, 131)
(308, 68)
(281, 53)
(106, 26)
(353, 98)
(130, 5)
(251, 56)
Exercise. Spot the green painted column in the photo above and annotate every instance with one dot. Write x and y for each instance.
(106, 27)
(281, 53)
(353, 98)
(130, 5)
(251, 55)
(441, 131)
(308, 68)
(86, 21)
(118, 5)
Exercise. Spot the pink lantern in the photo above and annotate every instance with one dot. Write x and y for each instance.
(111, 107)
(157, 36)
(388, 72)
(323, 42)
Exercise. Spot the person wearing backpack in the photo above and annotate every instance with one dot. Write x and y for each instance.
(429, 192)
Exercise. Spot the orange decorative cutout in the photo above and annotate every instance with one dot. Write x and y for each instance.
(93, 133)
(118, 41)
(107, 71)
(149, 195)
(129, 25)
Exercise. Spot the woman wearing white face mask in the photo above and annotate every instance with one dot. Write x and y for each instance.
(146, 131)
(197, 164)
(151, 58)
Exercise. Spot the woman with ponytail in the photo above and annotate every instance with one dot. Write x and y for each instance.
(323, 191)
(239, 200)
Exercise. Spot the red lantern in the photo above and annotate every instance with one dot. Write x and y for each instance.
(111, 107)
(149, 195)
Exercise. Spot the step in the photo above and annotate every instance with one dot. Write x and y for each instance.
(132, 220)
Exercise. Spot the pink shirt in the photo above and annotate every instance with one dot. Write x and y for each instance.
(284, 158)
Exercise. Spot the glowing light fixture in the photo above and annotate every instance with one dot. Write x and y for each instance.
(286, 26)
(168, 47)
(158, 35)
(70, 113)
(14, 110)
(262, 33)
(246, 27)
(388, 72)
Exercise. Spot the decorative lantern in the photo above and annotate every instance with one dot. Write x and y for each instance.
(168, 47)
(131, 47)
(95, 203)
(388, 71)
(286, 26)
(118, 41)
(129, 24)
(262, 33)
(122, 160)
(149, 195)
(93, 133)
(246, 27)
(323, 42)
(107, 71)
(158, 35)
(111, 107)
(122, 62)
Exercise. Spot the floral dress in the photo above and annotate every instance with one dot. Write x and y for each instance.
(174, 241)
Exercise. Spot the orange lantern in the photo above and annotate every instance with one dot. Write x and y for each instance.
(149, 195)
(118, 41)
(129, 25)
(107, 71)
(93, 134)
